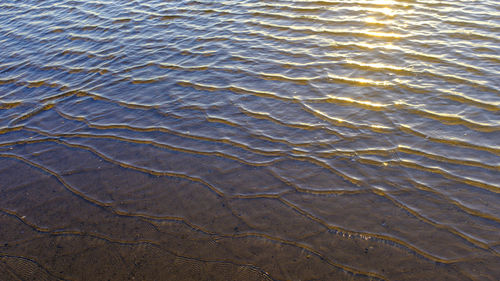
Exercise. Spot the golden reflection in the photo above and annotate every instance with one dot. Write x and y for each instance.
(372, 20)
(384, 34)
(376, 65)
(363, 103)
(385, 9)
(382, 2)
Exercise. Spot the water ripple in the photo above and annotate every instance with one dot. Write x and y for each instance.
(250, 140)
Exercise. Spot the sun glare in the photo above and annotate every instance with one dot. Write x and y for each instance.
(382, 2)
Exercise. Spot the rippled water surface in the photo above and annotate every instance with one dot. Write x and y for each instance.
(249, 140)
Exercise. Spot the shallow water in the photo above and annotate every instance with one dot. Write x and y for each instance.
(249, 140)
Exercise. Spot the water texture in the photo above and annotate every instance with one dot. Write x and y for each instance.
(249, 140)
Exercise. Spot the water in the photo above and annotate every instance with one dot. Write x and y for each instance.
(249, 140)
